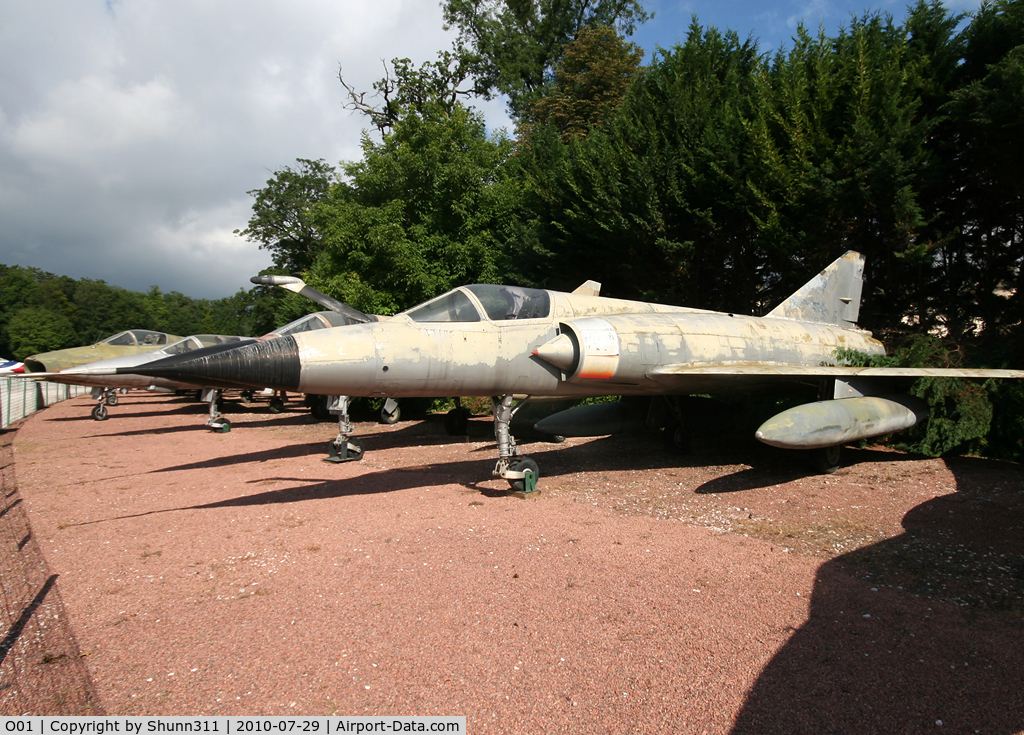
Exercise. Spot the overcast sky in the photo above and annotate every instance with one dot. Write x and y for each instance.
(131, 130)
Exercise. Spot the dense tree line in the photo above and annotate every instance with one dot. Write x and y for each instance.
(41, 311)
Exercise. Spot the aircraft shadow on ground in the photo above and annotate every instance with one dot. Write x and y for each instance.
(603, 454)
(770, 466)
(371, 483)
(133, 412)
(766, 465)
(554, 459)
(276, 420)
(922, 631)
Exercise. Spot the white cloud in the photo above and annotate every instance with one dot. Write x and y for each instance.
(93, 116)
(130, 131)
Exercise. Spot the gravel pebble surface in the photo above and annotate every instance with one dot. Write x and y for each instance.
(726, 591)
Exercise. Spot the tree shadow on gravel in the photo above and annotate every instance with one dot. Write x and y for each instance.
(921, 632)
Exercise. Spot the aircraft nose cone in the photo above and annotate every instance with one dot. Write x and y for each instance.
(270, 364)
(560, 352)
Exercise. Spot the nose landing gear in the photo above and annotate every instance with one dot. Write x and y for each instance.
(520, 472)
(344, 447)
(215, 422)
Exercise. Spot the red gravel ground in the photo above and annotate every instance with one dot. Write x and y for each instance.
(171, 570)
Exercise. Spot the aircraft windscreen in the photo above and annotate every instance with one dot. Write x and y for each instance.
(454, 306)
(304, 324)
(121, 339)
(146, 337)
(198, 341)
(209, 340)
(336, 319)
(182, 345)
(512, 302)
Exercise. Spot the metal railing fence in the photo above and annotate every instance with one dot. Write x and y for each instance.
(20, 398)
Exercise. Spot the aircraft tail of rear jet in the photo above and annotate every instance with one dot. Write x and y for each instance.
(831, 297)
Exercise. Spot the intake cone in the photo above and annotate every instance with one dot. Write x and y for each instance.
(270, 364)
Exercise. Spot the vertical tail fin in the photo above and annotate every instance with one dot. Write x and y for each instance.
(831, 297)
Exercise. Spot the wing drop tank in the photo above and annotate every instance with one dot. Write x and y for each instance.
(829, 423)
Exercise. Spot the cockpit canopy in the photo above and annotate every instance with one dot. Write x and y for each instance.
(499, 303)
(198, 341)
(136, 338)
(317, 320)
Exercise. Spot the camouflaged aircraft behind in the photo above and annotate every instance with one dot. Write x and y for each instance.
(130, 342)
(104, 378)
(506, 340)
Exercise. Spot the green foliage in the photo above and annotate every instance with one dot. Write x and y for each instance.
(426, 209)
(516, 44)
(282, 220)
(653, 202)
(973, 183)
(36, 329)
(959, 419)
(836, 144)
(589, 82)
(1005, 438)
(432, 90)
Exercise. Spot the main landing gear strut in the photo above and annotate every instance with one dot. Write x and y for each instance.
(345, 447)
(520, 472)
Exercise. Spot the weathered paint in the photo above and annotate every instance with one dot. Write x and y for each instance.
(832, 297)
(615, 353)
(598, 348)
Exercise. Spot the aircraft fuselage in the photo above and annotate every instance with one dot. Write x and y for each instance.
(608, 347)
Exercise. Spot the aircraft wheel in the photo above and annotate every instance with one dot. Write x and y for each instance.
(351, 450)
(390, 418)
(100, 412)
(826, 460)
(247, 396)
(110, 399)
(521, 464)
(276, 405)
(676, 437)
(456, 422)
(221, 426)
